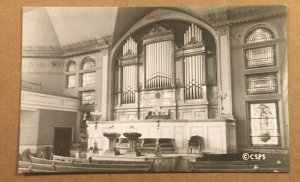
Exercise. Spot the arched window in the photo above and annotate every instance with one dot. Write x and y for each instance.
(88, 63)
(71, 76)
(259, 35)
(71, 66)
(88, 72)
(263, 53)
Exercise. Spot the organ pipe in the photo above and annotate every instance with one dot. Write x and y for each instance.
(158, 64)
(129, 84)
(191, 76)
(130, 47)
(193, 33)
(128, 73)
(194, 77)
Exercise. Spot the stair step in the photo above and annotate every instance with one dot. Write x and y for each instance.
(182, 164)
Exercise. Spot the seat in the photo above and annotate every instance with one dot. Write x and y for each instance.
(167, 145)
(149, 145)
(123, 144)
(195, 142)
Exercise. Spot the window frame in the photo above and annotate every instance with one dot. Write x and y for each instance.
(70, 73)
(261, 74)
(69, 65)
(85, 61)
(274, 97)
(87, 71)
(82, 81)
(251, 32)
(248, 123)
(81, 97)
(260, 45)
(68, 81)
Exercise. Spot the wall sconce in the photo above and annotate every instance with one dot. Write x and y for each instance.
(95, 116)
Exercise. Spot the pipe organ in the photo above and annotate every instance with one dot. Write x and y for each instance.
(165, 69)
(194, 64)
(159, 64)
(128, 70)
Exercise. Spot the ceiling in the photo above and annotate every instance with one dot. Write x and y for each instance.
(66, 25)
(63, 26)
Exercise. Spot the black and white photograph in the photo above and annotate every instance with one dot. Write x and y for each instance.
(154, 89)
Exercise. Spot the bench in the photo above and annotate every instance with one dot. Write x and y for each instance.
(43, 165)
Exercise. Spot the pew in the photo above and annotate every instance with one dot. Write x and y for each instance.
(44, 165)
(68, 159)
(36, 166)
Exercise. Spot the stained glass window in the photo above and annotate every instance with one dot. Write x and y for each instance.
(87, 97)
(70, 81)
(260, 56)
(259, 35)
(262, 83)
(88, 79)
(264, 129)
(257, 57)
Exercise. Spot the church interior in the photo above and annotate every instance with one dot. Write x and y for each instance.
(174, 88)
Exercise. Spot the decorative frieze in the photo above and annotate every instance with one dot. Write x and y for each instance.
(42, 65)
(250, 18)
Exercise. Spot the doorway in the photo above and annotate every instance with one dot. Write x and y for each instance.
(62, 141)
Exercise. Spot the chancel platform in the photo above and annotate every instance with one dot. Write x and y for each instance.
(218, 134)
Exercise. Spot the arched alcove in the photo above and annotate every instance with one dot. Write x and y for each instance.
(199, 55)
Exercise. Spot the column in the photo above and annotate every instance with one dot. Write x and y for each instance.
(104, 84)
(224, 71)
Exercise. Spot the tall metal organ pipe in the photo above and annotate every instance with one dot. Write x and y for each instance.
(193, 32)
(194, 76)
(128, 73)
(158, 64)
